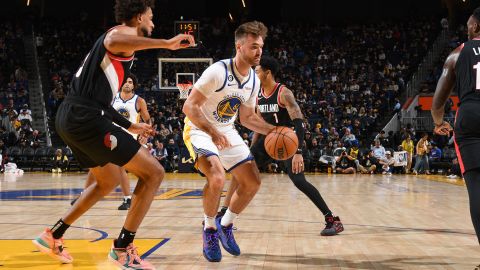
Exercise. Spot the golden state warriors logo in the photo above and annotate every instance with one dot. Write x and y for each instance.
(227, 109)
(123, 111)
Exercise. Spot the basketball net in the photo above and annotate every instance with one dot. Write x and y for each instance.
(184, 88)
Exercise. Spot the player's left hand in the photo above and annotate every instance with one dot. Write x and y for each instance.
(444, 129)
(142, 139)
(142, 129)
(297, 164)
(181, 41)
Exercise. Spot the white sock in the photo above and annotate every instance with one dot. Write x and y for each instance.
(228, 218)
(209, 222)
(127, 197)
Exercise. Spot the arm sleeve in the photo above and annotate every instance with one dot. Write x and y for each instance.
(212, 79)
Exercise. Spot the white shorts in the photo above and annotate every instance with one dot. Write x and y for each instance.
(200, 143)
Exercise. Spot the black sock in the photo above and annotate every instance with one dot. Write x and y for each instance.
(329, 214)
(59, 229)
(124, 239)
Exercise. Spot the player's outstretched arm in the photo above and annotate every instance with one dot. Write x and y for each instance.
(251, 120)
(442, 92)
(142, 104)
(295, 113)
(124, 40)
(192, 110)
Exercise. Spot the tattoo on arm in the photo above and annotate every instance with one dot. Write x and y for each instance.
(292, 106)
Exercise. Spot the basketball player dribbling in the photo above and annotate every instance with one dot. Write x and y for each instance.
(132, 107)
(462, 72)
(225, 89)
(277, 105)
(85, 122)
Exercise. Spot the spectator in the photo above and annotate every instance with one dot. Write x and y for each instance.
(434, 155)
(160, 153)
(345, 163)
(172, 154)
(408, 146)
(387, 163)
(378, 150)
(60, 162)
(421, 160)
(368, 163)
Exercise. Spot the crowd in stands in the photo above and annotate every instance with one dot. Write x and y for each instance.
(15, 115)
(346, 79)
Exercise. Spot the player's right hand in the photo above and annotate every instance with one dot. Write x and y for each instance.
(444, 129)
(181, 41)
(220, 140)
(143, 129)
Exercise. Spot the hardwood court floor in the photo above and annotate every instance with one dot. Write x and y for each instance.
(396, 222)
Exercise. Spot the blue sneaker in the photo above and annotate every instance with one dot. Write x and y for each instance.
(211, 248)
(226, 238)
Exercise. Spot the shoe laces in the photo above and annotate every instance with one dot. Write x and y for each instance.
(212, 239)
(228, 230)
(132, 253)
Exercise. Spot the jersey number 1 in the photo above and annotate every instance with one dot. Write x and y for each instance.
(276, 117)
(477, 67)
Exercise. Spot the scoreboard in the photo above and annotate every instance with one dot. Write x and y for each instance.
(188, 27)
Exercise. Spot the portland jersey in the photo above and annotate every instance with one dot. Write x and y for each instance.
(467, 72)
(271, 109)
(225, 93)
(101, 74)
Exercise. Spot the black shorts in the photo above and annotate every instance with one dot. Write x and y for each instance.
(92, 136)
(262, 158)
(467, 136)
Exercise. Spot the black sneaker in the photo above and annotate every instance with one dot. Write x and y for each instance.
(477, 267)
(125, 204)
(333, 226)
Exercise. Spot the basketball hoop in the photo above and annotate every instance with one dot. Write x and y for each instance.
(184, 88)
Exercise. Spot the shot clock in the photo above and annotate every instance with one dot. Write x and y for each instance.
(188, 27)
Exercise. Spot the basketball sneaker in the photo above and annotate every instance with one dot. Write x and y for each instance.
(51, 246)
(127, 258)
(211, 248)
(227, 239)
(333, 226)
(125, 204)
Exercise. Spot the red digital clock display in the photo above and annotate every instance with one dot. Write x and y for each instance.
(188, 27)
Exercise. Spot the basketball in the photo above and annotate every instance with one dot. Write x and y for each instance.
(281, 143)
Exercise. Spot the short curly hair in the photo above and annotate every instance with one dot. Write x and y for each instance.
(127, 9)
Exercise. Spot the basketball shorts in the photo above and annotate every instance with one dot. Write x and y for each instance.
(200, 143)
(467, 136)
(92, 136)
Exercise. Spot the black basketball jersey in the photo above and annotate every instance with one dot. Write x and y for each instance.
(271, 108)
(101, 74)
(467, 72)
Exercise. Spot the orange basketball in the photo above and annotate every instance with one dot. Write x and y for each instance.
(281, 143)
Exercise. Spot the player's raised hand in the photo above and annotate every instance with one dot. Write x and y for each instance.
(220, 140)
(141, 128)
(181, 41)
(444, 129)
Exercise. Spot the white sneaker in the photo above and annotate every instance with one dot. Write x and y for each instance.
(451, 176)
(54, 170)
(59, 170)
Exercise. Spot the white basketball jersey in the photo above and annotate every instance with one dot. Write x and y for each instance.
(225, 93)
(127, 108)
